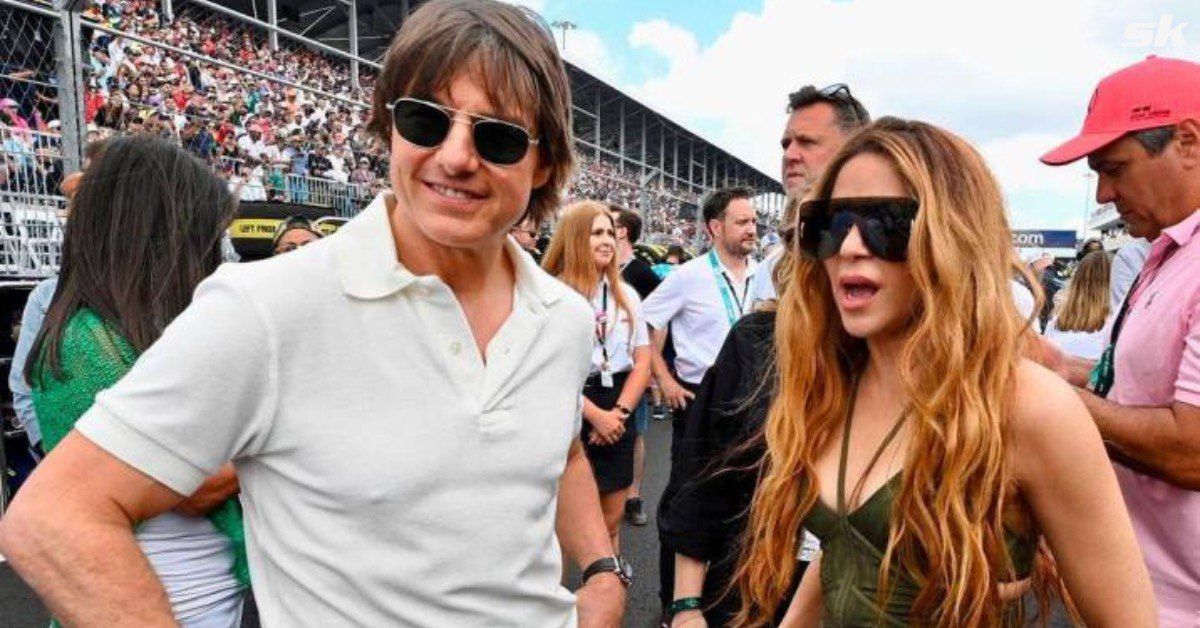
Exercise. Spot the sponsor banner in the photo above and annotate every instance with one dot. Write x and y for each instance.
(1043, 239)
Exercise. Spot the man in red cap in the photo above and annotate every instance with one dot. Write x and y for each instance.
(1142, 137)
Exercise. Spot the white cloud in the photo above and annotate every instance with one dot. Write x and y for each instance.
(1014, 78)
(678, 45)
(587, 50)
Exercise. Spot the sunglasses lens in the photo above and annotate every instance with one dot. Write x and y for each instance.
(500, 143)
(420, 124)
(880, 240)
(884, 224)
(832, 238)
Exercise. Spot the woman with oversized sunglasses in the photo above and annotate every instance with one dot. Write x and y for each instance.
(909, 433)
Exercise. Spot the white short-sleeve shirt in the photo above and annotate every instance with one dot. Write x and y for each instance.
(390, 477)
(762, 286)
(690, 300)
(621, 338)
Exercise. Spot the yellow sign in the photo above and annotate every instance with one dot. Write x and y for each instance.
(264, 228)
(254, 228)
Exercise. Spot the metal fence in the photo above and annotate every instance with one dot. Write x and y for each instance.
(203, 78)
(31, 203)
(28, 76)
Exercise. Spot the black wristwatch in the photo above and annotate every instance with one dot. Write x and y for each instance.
(611, 564)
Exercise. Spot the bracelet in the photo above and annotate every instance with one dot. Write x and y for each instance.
(622, 409)
(685, 604)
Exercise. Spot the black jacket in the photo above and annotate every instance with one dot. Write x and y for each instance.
(714, 470)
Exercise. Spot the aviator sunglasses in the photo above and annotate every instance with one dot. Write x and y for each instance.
(884, 223)
(426, 124)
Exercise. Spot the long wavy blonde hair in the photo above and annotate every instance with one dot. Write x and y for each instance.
(569, 256)
(957, 366)
(1085, 308)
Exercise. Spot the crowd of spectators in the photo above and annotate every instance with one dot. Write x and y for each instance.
(669, 213)
(271, 140)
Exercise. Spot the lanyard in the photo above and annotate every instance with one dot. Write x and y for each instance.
(728, 293)
(1104, 374)
(602, 325)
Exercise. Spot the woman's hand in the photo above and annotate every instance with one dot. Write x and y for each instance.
(689, 619)
(212, 493)
(607, 427)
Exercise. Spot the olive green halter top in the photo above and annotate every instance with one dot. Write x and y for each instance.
(852, 548)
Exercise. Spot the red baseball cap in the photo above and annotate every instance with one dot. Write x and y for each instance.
(1151, 93)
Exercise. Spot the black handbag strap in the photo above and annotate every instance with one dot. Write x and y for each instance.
(1120, 320)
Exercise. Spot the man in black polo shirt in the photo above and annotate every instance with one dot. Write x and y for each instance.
(637, 273)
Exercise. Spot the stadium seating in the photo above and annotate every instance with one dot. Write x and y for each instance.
(270, 139)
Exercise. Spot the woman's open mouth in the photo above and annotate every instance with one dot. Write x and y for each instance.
(855, 292)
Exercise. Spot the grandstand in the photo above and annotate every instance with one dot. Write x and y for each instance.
(274, 94)
(1105, 220)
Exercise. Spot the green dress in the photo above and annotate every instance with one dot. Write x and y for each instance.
(852, 549)
(93, 357)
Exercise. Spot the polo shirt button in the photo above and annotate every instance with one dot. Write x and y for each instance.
(456, 347)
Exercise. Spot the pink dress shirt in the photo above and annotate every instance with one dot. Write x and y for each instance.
(1157, 363)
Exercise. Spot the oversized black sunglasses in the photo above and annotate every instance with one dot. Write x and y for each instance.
(426, 124)
(884, 223)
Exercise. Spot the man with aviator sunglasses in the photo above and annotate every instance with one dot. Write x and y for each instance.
(452, 481)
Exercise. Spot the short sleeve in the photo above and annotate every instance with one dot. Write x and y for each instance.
(1187, 382)
(203, 395)
(666, 301)
(641, 334)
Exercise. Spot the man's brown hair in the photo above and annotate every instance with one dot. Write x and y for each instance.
(510, 52)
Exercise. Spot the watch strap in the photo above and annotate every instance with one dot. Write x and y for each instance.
(608, 564)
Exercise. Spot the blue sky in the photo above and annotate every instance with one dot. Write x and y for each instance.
(1013, 78)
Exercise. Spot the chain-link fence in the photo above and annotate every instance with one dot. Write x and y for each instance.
(28, 80)
(31, 150)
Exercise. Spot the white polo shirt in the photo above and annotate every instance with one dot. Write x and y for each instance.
(690, 300)
(389, 476)
(622, 338)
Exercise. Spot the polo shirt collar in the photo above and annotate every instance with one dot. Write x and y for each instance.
(367, 266)
(1183, 232)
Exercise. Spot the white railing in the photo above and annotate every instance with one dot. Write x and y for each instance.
(346, 198)
(31, 205)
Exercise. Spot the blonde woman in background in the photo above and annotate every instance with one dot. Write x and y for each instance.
(583, 255)
(908, 433)
(1083, 322)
